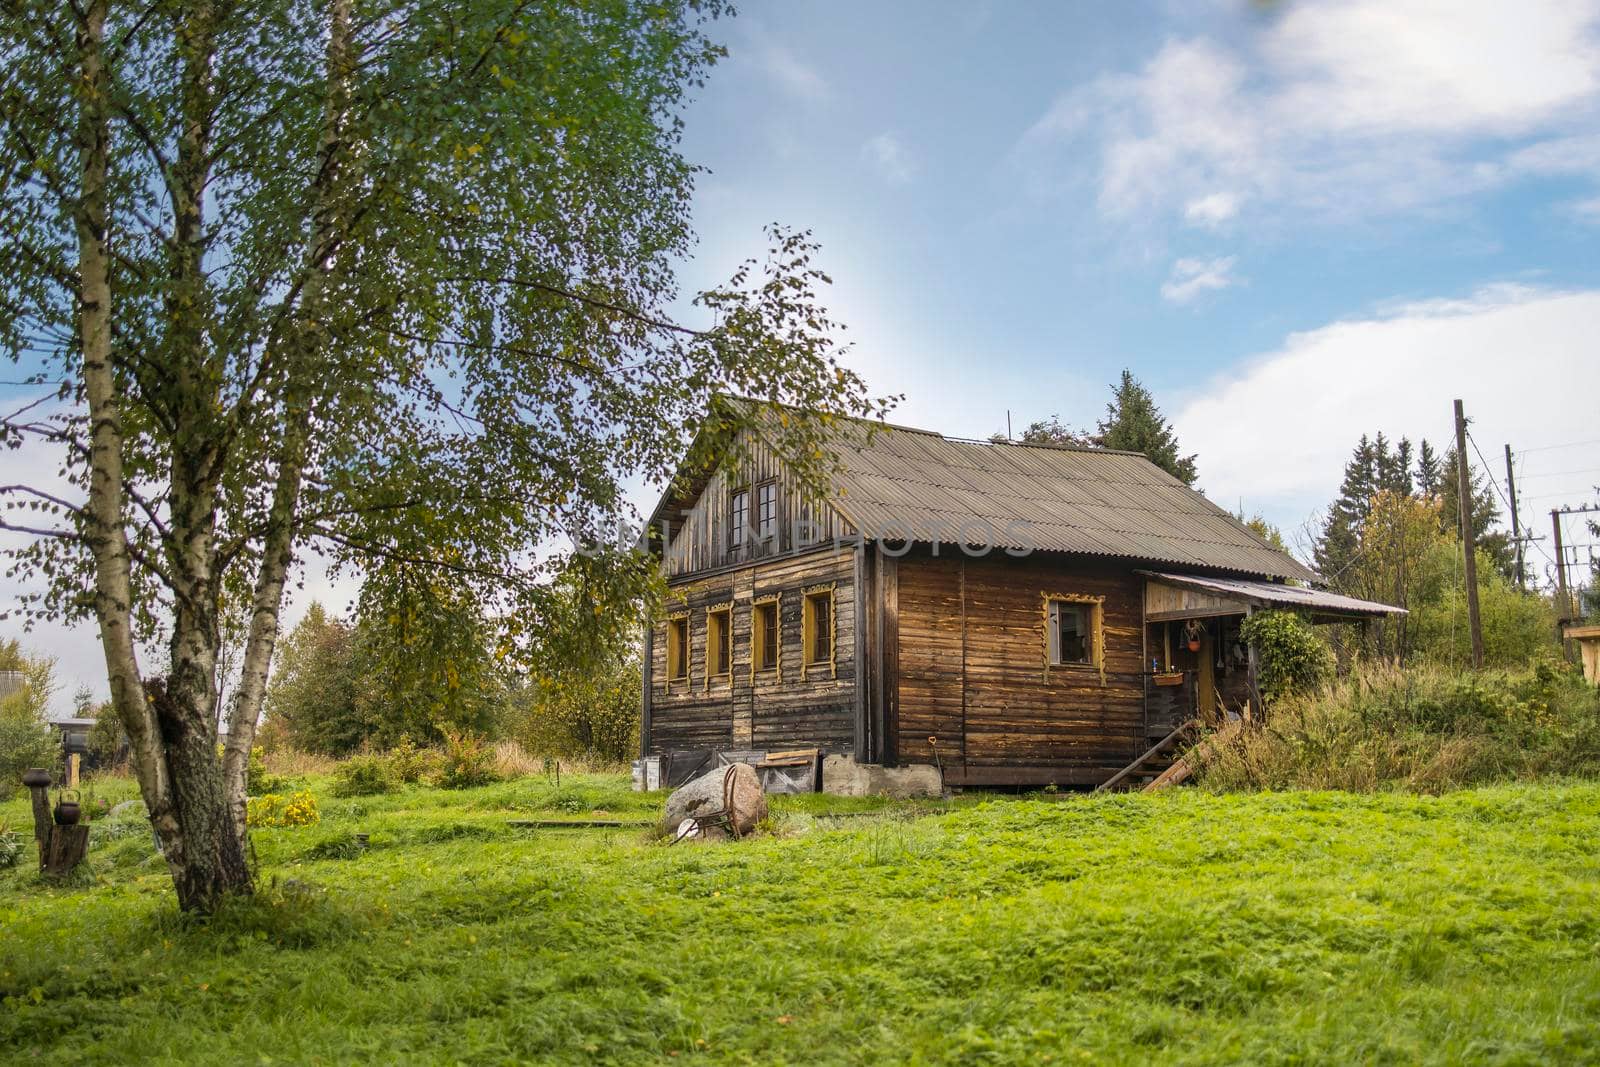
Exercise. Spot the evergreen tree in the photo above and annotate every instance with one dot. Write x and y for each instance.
(1398, 478)
(1134, 422)
(1427, 469)
(1495, 544)
(1341, 533)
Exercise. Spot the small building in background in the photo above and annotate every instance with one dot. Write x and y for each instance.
(1587, 638)
(74, 735)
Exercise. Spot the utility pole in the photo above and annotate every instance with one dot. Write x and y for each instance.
(1564, 604)
(1516, 528)
(1464, 498)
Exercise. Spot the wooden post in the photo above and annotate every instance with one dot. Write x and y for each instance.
(1564, 599)
(38, 782)
(1254, 710)
(1516, 526)
(61, 848)
(73, 762)
(1464, 499)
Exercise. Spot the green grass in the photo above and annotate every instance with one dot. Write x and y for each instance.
(1267, 928)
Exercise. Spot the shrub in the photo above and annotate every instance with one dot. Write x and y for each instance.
(363, 776)
(258, 779)
(1424, 729)
(25, 738)
(592, 715)
(409, 764)
(107, 739)
(468, 762)
(273, 809)
(1293, 659)
(11, 846)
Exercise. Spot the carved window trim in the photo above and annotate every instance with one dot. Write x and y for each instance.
(725, 611)
(828, 589)
(1097, 633)
(775, 600)
(685, 645)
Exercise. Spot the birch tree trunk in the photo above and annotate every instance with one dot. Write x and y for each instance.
(306, 347)
(103, 514)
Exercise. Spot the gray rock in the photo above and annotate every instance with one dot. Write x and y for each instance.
(714, 796)
(126, 807)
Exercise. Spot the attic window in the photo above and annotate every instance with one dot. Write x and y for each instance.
(740, 521)
(766, 510)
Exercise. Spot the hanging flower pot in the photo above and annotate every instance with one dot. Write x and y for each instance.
(1191, 630)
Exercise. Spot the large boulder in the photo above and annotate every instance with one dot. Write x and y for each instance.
(730, 795)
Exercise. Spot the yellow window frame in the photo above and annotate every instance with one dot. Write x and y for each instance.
(808, 655)
(719, 619)
(1097, 632)
(758, 635)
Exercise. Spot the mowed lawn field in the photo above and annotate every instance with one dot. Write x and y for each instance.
(1189, 928)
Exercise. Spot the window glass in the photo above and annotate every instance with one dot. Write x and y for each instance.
(678, 648)
(766, 510)
(1071, 640)
(765, 638)
(819, 627)
(741, 517)
(718, 652)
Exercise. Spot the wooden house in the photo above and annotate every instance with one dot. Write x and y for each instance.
(1012, 614)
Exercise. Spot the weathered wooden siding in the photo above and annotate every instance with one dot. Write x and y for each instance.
(700, 537)
(794, 706)
(972, 670)
(1162, 601)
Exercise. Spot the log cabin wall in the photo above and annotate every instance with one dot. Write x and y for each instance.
(972, 674)
(795, 705)
(701, 537)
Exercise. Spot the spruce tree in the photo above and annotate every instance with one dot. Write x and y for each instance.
(1427, 469)
(1483, 516)
(1341, 532)
(1134, 422)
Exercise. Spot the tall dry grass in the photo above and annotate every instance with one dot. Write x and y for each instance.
(292, 763)
(512, 760)
(1423, 729)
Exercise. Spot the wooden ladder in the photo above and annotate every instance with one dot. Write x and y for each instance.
(1147, 766)
(1183, 766)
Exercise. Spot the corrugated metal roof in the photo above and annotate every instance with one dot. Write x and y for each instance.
(1273, 593)
(898, 483)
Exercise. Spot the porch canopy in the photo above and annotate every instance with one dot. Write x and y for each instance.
(1191, 596)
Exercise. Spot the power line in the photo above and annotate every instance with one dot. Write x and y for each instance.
(1561, 474)
(1549, 448)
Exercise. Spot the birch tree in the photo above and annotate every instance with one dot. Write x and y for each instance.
(389, 280)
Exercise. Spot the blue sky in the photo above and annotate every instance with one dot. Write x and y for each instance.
(1295, 222)
(1247, 204)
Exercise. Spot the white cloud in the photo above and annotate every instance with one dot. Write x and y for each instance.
(1338, 108)
(790, 73)
(1277, 433)
(1191, 277)
(1431, 66)
(889, 156)
(1211, 210)
(1587, 210)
